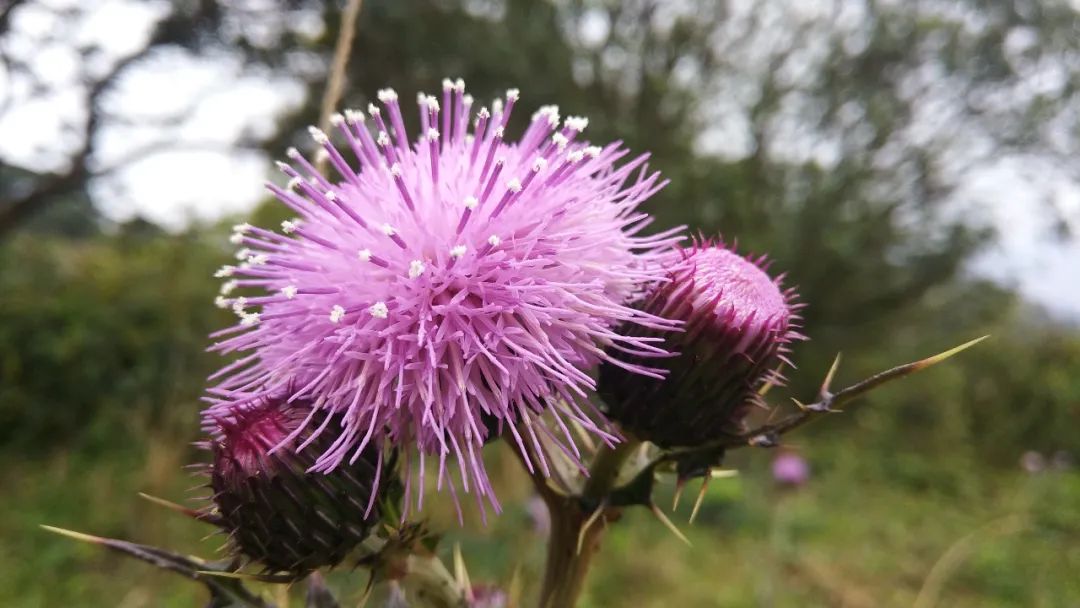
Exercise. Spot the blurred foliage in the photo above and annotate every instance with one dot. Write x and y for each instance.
(103, 327)
(96, 330)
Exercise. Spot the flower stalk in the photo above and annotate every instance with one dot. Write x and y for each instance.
(578, 524)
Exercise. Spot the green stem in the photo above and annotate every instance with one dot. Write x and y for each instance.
(567, 567)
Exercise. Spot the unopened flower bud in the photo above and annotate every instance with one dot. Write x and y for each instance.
(737, 325)
(276, 512)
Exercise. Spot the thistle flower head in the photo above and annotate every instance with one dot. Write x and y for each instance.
(274, 511)
(737, 323)
(442, 282)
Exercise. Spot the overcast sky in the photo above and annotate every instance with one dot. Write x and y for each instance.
(204, 178)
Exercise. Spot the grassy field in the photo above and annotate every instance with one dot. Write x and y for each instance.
(869, 530)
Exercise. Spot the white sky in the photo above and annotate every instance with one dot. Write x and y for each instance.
(198, 176)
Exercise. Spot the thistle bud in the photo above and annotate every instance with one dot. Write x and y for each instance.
(737, 325)
(277, 512)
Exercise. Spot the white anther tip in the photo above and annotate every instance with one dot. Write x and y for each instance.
(337, 313)
(379, 310)
(318, 135)
(354, 116)
(576, 123)
(416, 268)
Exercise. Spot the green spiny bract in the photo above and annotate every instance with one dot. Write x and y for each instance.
(274, 510)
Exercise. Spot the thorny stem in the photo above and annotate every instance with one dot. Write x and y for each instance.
(768, 435)
(577, 527)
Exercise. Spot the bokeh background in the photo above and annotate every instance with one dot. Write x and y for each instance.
(910, 164)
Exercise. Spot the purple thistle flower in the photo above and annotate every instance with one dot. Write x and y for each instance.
(447, 289)
(738, 323)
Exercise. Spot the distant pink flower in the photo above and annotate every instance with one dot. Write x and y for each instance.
(1032, 462)
(539, 515)
(488, 596)
(790, 469)
(446, 289)
(737, 326)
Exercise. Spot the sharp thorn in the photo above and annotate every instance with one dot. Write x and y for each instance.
(86, 538)
(667, 523)
(678, 494)
(700, 498)
(588, 524)
(827, 382)
(461, 575)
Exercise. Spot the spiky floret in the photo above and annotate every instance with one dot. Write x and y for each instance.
(738, 323)
(276, 512)
(455, 278)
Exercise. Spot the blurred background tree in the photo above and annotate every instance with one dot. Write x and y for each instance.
(836, 136)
